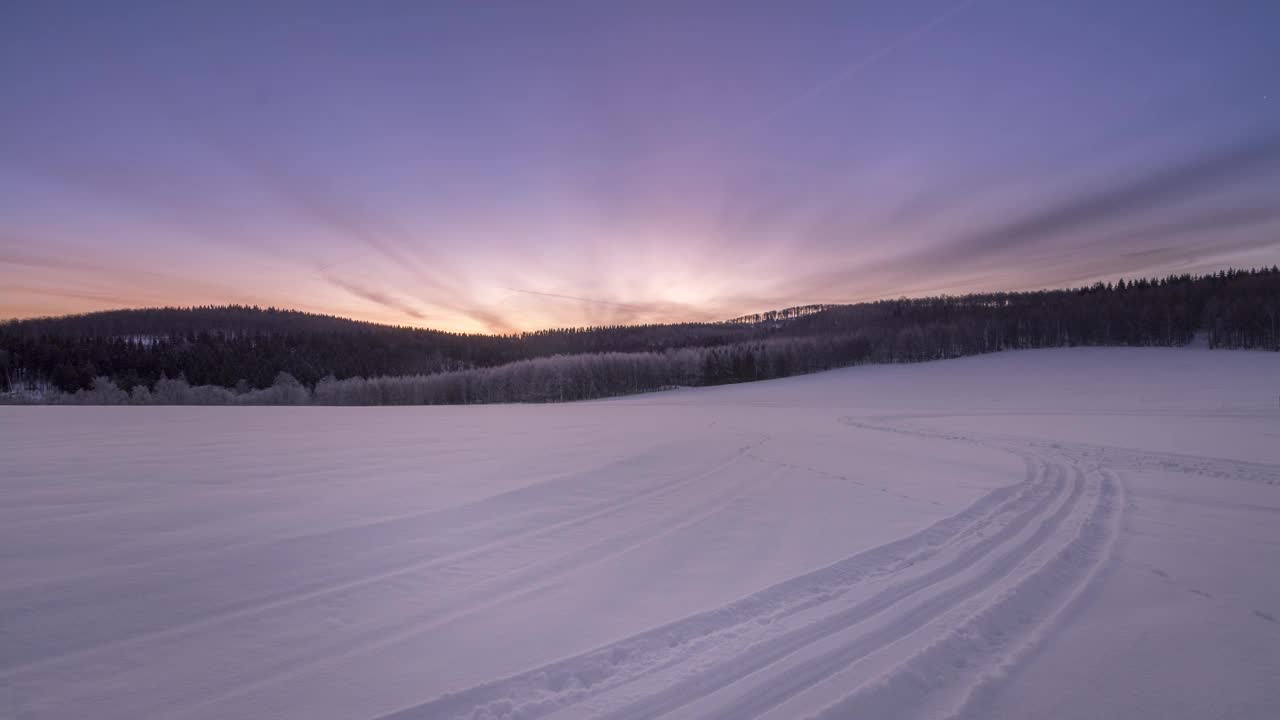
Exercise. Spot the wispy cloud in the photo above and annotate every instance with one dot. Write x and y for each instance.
(106, 297)
(577, 298)
(1090, 210)
(1090, 227)
(375, 296)
(139, 281)
(373, 235)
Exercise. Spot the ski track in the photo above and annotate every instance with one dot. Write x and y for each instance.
(601, 510)
(972, 659)
(484, 594)
(1007, 548)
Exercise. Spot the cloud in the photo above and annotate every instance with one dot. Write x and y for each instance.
(1101, 223)
(375, 296)
(1189, 258)
(627, 306)
(37, 261)
(608, 312)
(110, 298)
(1155, 191)
(1225, 220)
(345, 218)
(126, 276)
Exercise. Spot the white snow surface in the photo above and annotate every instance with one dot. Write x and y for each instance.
(1075, 533)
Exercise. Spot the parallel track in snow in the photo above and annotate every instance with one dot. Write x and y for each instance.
(396, 570)
(953, 603)
(494, 591)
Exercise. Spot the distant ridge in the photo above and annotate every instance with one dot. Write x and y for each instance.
(783, 314)
(246, 348)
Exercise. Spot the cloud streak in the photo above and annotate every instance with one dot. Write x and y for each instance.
(578, 298)
(375, 296)
(340, 215)
(1154, 191)
(1091, 224)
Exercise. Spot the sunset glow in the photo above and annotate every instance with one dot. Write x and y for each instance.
(563, 165)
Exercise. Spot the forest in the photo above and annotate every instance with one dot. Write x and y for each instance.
(249, 355)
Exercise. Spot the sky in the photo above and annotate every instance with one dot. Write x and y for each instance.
(506, 166)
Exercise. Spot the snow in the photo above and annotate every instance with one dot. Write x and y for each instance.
(1061, 533)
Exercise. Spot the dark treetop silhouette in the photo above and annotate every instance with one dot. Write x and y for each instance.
(252, 355)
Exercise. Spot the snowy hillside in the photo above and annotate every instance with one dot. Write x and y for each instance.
(1057, 534)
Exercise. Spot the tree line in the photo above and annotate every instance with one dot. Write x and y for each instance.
(245, 347)
(247, 355)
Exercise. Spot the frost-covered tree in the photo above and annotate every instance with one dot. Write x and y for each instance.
(103, 392)
(140, 395)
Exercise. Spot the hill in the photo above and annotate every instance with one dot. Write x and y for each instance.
(247, 348)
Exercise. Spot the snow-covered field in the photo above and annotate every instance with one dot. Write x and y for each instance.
(1050, 534)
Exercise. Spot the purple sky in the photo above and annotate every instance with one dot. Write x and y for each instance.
(515, 165)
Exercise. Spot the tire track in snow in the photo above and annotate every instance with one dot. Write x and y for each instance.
(476, 513)
(809, 673)
(571, 681)
(1209, 467)
(843, 478)
(1095, 542)
(540, 691)
(482, 595)
(284, 600)
(1116, 457)
(954, 675)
